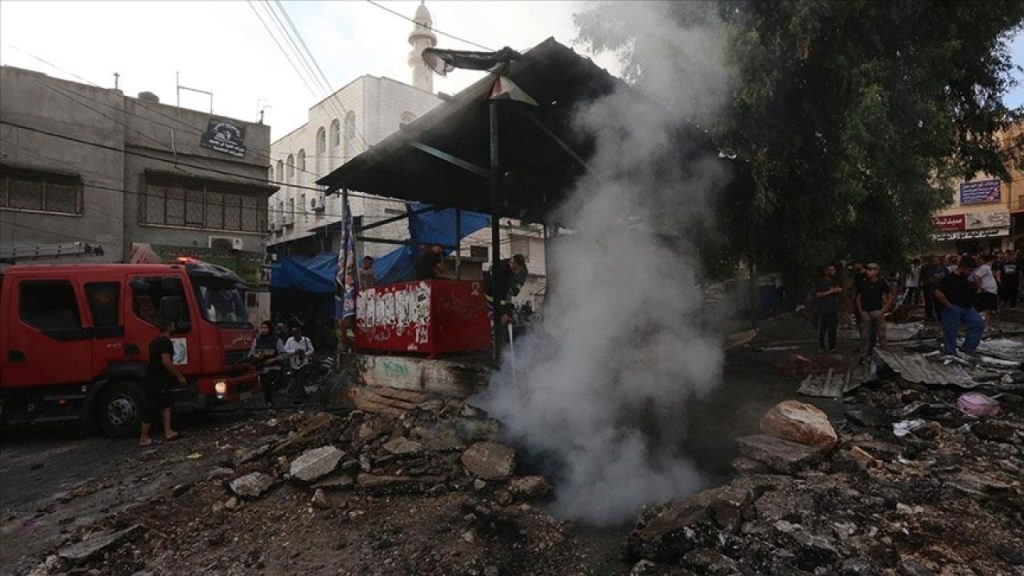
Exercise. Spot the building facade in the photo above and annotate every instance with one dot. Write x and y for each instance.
(129, 177)
(986, 214)
(304, 221)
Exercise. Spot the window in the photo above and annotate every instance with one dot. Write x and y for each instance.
(302, 202)
(22, 189)
(270, 174)
(221, 302)
(104, 305)
(172, 200)
(48, 305)
(321, 151)
(478, 252)
(289, 215)
(335, 133)
(280, 170)
(291, 168)
(148, 296)
(407, 118)
(350, 135)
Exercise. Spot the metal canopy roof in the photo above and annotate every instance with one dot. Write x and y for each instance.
(443, 157)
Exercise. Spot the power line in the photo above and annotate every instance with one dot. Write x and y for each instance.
(442, 33)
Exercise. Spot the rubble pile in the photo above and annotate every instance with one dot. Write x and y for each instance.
(306, 478)
(945, 498)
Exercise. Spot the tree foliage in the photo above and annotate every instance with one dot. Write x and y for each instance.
(856, 117)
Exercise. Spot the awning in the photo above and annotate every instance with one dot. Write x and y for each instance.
(443, 157)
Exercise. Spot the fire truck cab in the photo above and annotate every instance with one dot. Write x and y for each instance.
(74, 340)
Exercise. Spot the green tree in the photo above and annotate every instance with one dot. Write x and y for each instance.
(855, 117)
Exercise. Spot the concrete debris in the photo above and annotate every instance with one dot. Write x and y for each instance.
(334, 483)
(316, 463)
(320, 500)
(251, 485)
(402, 446)
(779, 455)
(529, 487)
(490, 460)
(476, 429)
(801, 423)
(86, 549)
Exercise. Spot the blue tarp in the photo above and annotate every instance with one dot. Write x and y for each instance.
(316, 274)
(425, 228)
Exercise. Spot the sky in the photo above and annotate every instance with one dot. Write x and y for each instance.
(223, 47)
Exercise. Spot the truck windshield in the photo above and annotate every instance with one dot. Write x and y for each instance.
(221, 302)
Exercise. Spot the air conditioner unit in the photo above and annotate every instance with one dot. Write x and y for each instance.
(317, 203)
(275, 227)
(225, 243)
(288, 220)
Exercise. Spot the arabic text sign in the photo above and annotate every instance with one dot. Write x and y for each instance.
(224, 136)
(971, 234)
(951, 223)
(980, 191)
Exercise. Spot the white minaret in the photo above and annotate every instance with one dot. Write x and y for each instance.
(422, 36)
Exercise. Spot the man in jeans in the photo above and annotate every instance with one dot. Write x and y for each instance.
(874, 297)
(956, 294)
(827, 299)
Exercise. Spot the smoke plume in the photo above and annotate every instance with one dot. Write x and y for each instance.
(599, 391)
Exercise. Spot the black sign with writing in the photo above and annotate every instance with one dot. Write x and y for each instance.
(223, 136)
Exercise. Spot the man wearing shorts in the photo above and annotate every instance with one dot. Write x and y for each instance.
(161, 376)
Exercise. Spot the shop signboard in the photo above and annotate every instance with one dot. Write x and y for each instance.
(981, 220)
(224, 136)
(981, 191)
(949, 223)
(970, 234)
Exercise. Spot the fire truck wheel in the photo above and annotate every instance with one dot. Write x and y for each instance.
(121, 409)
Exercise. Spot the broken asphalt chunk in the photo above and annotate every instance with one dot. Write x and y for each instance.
(779, 455)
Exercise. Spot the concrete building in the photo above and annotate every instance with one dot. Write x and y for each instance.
(986, 213)
(360, 114)
(80, 163)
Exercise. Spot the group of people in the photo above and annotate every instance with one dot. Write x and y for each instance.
(275, 354)
(956, 290)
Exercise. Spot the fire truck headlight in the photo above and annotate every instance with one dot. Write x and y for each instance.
(220, 387)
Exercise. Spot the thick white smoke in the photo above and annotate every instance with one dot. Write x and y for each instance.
(600, 390)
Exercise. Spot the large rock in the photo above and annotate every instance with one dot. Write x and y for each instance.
(801, 423)
(252, 485)
(316, 463)
(780, 455)
(490, 460)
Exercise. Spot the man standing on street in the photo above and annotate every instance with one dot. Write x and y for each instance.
(161, 376)
(827, 298)
(1008, 274)
(367, 279)
(956, 294)
(874, 298)
(911, 283)
(504, 283)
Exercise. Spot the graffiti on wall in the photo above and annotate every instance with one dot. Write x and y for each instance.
(400, 311)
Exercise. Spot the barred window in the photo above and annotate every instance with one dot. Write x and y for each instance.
(23, 189)
(195, 203)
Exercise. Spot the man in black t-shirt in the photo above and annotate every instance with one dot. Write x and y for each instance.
(429, 263)
(161, 376)
(827, 299)
(956, 294)
(874, 298)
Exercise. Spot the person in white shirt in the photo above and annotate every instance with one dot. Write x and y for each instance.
(298, 348)
(912, 283)
(987, 298)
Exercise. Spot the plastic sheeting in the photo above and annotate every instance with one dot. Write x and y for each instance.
(309, 274)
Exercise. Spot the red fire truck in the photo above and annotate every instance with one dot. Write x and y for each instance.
(74, 340)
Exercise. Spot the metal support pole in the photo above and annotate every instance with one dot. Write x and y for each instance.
(458, 243)
(496, 181)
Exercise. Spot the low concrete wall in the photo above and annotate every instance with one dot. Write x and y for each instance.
(445, 377)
